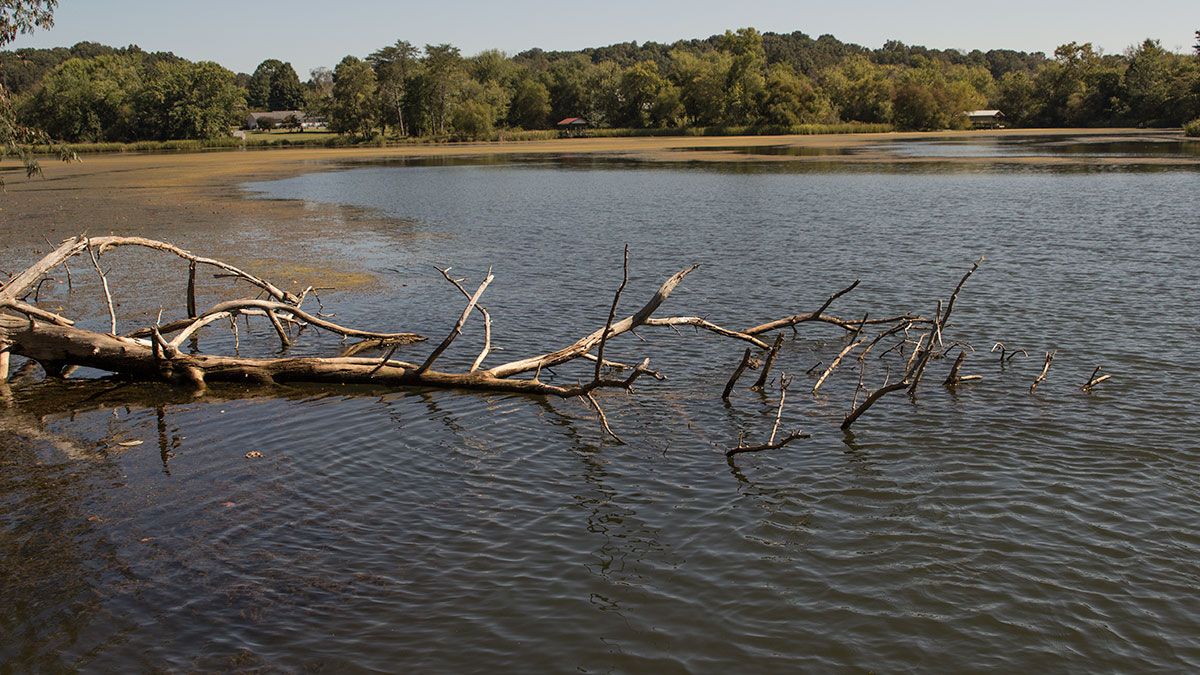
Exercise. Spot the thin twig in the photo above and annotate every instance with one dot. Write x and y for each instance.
(112, 312)
(612, 313)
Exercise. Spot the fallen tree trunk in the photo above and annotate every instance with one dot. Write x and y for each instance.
(56, 343)
(154, 352)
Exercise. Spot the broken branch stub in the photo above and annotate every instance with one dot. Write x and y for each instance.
(1095, 379)
(1045, 371)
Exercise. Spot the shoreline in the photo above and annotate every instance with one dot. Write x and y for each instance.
(196, 199)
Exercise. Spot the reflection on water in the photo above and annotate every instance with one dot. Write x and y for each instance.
(1084, 147)
(1150, 146)
(447, 531)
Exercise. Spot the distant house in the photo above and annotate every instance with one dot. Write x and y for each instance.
(986, 119)
(277, 117)
(572, 126)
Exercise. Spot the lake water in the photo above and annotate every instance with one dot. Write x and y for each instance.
(442, 531)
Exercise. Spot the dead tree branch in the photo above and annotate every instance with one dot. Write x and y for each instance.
(737, 374)
(458, 325)
(771, 444)
(1045, 371)
(768, 364)
(487, 321)
(955, 377)
(112, 312)
(1007, 355)
(156, 353)
(1095, 379)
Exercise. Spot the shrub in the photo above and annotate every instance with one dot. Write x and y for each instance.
(1192, 128)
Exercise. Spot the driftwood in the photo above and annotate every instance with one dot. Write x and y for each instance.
(771, 444)
(1045, 371)
(1006, 354)
(918, 360)
(1095, 379)
(956, 377)
(157, 352)
(773, 354)
(746, 362)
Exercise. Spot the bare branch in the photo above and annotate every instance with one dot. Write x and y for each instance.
(737, 374)
(112, 313)
(771, 444)
(603, 418)
(765, 373)
(1045, 371)
(834, 364)
(612, 313)
(1094, 380)
(458, 325)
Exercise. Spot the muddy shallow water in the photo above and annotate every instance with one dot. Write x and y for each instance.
(436, 531)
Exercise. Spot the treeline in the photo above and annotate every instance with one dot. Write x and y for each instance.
(99, 93)
(739, 80)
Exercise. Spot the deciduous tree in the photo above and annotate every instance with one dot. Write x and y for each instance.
(182, 100)
(354, 108)
(87, 99)
(20, 16)
(396, 67)
(274, 86)
(530, 107)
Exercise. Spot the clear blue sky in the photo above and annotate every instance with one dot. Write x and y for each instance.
(309, 33)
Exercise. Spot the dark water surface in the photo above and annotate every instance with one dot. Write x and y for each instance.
(439, 531)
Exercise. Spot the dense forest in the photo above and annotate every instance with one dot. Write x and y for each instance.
(740, 81)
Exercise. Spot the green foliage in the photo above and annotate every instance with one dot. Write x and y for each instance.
(1080, 87)
(286, 90)
(396, 68)
(701, 79)
(530, 108)
(23, 16)
(477, 108)
(792, 99)
(1017, 97)
(87, 99)
(353, 108)
(935, 95)
(740, 80)
(187, 101)
(1192, 129)
(274, 86)
(745, 81)
(647, 98)
(441, 80)
(570, 95)
(1161, 88)
(472, 120)
(860, 90)
(318, 93)
(915, 107)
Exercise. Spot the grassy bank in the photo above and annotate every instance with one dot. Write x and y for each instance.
(258, 140)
